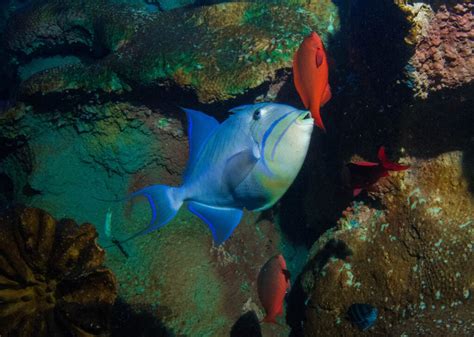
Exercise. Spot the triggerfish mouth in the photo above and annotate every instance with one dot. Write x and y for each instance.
(249, 160)
(310, 75)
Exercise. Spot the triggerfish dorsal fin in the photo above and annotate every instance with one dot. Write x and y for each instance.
(221, 221)
(200, 128)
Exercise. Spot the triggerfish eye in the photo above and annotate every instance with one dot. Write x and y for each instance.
(257, 114)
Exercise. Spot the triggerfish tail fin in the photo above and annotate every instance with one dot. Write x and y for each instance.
(387, 164)
(165, 201)
(221, 221)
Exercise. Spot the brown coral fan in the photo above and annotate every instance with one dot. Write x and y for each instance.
(52, 282)
(444, 43)
(412, 261)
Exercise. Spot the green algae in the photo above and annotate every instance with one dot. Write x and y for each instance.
(218, 51)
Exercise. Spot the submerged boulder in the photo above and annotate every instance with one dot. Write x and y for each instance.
(412, 261)
(442, 37)
(216, 52)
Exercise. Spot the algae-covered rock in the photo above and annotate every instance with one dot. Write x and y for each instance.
(442, 36)
(53, 282)
(217, 51)
(411, 261)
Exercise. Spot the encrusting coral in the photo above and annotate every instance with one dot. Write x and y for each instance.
(52, 282)
(411, 260)
(443, 40)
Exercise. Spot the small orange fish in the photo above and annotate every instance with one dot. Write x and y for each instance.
(273, 283)
(310, 75)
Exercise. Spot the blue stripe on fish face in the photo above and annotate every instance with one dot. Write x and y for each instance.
(267, 134)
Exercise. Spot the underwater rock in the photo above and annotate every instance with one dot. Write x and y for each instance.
(52, 277)
(413, 259)
(217, 52)
(443, 42)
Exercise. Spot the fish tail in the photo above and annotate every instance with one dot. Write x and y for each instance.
(165, 201)
(317, 118)
(387, 164)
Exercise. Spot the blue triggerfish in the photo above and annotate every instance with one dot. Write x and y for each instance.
(249, 160)
(362, 315)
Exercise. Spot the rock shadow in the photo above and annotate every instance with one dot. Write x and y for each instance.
(247, 325)
(128, 322)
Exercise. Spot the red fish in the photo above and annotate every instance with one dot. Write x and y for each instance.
(363, 174)
(310, 75)
(273, 283)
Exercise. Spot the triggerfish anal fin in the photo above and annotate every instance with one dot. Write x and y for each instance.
(200, 128)
(239, 166)
(221, 221)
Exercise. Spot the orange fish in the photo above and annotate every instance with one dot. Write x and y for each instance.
(310, 75)
(273, 283)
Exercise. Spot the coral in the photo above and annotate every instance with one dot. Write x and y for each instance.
(71, 78)
(412, 260)
(443, 40)
(52, 280)
(55, 24)
(217, 51)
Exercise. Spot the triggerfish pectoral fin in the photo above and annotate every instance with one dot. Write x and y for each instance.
(239, 166)
(164, 203)
(221, 221)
